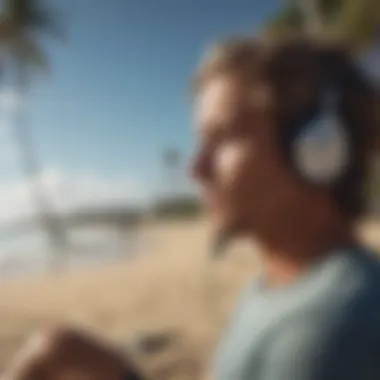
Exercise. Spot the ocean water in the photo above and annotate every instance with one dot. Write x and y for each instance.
(31, 253)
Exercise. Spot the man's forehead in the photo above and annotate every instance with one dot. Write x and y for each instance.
(221, 99)
(218, 100)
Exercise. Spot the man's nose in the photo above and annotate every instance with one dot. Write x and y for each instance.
(201, 167)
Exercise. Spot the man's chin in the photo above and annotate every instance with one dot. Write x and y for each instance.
(228, 228)
(224, 232)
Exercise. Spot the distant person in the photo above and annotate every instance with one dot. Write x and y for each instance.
(286, 135)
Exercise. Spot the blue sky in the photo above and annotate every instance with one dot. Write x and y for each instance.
(118, 92)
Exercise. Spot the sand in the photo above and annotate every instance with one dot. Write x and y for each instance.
(171, 286)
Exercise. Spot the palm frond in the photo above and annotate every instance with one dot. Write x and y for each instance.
(358, 21)
(31, 56)
(289, 19)
(33, 16)
(330, 9)
(47, 21)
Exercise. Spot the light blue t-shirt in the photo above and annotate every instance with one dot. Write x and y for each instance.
(325, 326)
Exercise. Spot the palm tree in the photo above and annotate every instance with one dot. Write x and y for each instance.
(171, 160)
(355, 21)
(21, 23)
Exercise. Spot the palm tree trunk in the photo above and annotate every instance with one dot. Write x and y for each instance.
(49, 219)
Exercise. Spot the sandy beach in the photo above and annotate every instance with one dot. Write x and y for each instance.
(171, 286)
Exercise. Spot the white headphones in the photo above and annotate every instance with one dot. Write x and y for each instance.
(321, 151)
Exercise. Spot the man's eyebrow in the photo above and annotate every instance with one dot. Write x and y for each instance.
(215, 128)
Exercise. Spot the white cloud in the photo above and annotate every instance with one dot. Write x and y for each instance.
(9, 99)
(69, 192)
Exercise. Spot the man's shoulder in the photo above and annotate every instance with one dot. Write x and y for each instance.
(317, 348)
(352, 298)
(326, 327)
(338, 333)
(346, 291)
(360, 285)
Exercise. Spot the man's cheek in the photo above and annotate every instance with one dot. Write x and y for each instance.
(230, 162)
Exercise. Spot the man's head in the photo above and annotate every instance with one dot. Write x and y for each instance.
(251, 97)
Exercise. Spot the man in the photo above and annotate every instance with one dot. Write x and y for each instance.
(286, 137)
(285, 140)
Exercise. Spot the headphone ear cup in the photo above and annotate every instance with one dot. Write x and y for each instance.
(321, 151)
